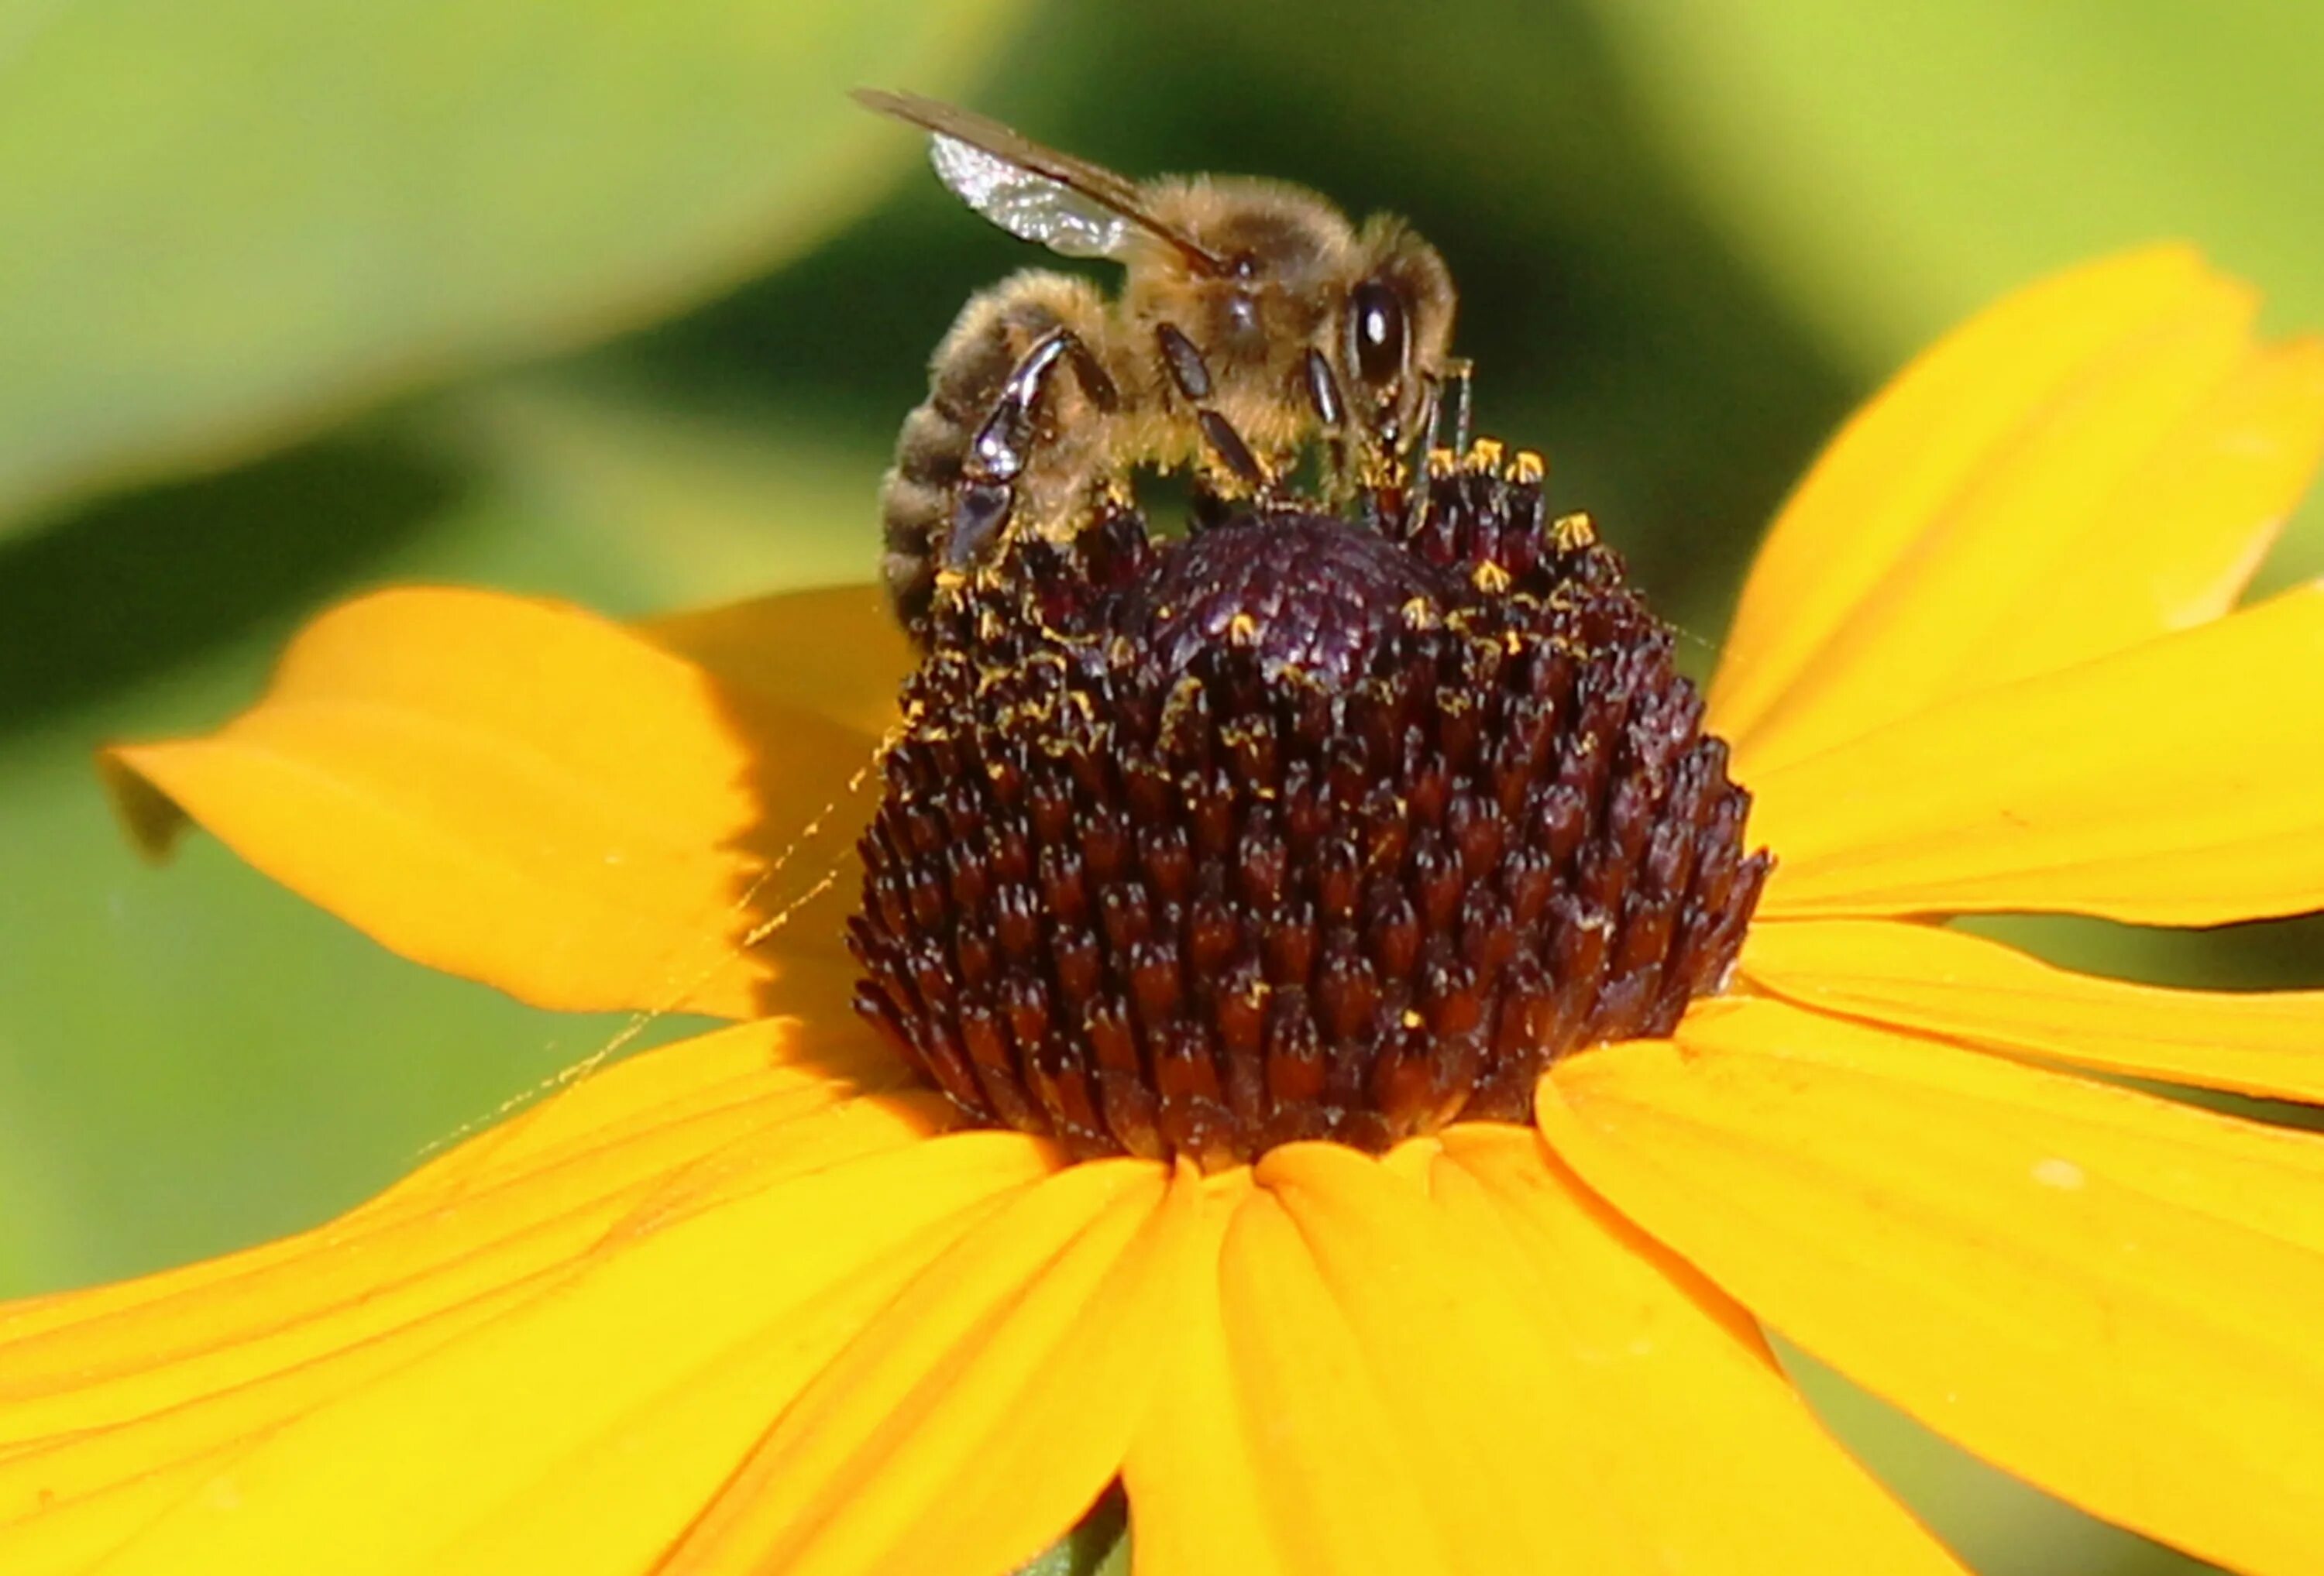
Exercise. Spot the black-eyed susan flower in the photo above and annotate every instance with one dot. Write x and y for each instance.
(1381, 1251)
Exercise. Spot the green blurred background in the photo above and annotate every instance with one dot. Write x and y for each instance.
(623, 302)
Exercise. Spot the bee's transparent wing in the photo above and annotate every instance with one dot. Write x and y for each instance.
(1069, 205)
(1029, 207)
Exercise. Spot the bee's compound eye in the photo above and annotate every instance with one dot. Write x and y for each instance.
(1375, 332)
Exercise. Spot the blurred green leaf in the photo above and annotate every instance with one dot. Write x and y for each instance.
(1894, 168)
(230, 222)
(194, 1059)
(1897, 166)
(698, 501)
(1999, 1525)
(1098, 1546)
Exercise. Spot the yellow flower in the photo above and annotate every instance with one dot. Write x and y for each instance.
(747, 1303)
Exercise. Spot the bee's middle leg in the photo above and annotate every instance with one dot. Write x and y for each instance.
(1183, 359)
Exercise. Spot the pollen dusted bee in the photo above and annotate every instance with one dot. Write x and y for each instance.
(1254, 320)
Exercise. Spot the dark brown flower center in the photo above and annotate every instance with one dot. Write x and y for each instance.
(1302, 827)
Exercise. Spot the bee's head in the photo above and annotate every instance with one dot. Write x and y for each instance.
(1395, 330)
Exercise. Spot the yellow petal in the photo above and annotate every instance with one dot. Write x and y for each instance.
(2170, 784)
(1890, 473)
(1717, 1463)
(527, 794)
(815, 1055)
(1542, 1379)
(116, 1402)
(1463, 1384)
(528, 1196)
(582, 1427)
(699, 1436)
(2096, 460)
(2178, 541)
(969, 1426)
(837, 653)
(1197, 1478)
(2267, 1043)
(74, 1535)
(1339, 1483)
(2110, 1296)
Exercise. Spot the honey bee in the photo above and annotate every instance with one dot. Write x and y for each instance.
(1253, 320)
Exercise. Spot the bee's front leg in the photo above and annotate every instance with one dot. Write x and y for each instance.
(1321, 387)
(1457, 373)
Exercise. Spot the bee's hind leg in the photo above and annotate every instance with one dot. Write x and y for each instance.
(1003, 443)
